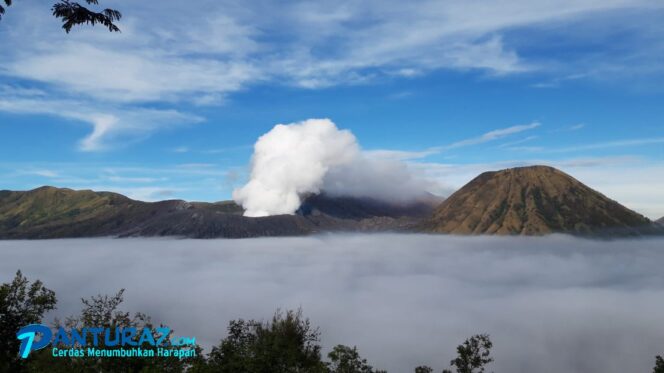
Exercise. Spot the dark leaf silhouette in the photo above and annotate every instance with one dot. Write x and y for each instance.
(659, 365)
(21, 303)
(473, 355)
(72, 13)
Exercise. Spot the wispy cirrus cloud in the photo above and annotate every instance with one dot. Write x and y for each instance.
(41, 172)
(510, 144)
(401, 155)
(232, 47)
(616, 144)
(111, 126)
(326, 43)
(493, 135)
(194, 182)
(610, 144)
(140, 76)
(570, 128)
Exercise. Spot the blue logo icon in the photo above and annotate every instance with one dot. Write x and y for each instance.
(105, 342)
(28, 337)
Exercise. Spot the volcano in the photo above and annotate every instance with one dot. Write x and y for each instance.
(49, 212)
(534, 200)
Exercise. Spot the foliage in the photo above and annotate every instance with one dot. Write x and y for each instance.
(287, 343)
(72, 13)
(102, 311)
(2, 8)
(21, 303)
(344, 359)
(473, 355)
(659, 365)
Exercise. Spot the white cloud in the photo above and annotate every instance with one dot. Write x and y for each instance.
(110, 126)
(230, 47)
(130, 77)
(43, 173)
(193, 182)
(611, 144)
(294, 160)
(404, 155)
(174, 53)
(517, 142)
(625, 143)
(492, 135)
(551, 304)
(400, 155)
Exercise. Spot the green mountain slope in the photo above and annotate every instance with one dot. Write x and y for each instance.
(49, 212)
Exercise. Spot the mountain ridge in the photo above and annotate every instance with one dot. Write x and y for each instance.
(534, 200)
(49, 212)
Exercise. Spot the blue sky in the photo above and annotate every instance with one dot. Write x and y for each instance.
(171, 107)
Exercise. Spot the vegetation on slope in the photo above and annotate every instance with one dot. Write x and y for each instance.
(533, 200)
(49, 212)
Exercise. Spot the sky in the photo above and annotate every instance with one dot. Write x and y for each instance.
(550, 304)
(172, 106)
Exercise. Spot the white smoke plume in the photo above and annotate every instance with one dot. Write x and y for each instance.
(297, 159)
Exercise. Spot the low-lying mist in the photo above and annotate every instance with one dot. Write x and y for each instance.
(551, 304)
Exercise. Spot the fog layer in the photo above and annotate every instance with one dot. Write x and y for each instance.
(552, 304)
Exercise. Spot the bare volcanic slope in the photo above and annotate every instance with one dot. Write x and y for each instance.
(533, 200)
(49, 212)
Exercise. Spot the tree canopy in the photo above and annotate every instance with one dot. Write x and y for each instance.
(344, 359)
(72, 13)
(21, 303)
(287, 343)
(473, 355)
(659, 365)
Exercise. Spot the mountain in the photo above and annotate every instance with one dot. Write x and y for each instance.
(661, 221)
(49, 212)
(533, 200)
(527, 201)
(366, 208)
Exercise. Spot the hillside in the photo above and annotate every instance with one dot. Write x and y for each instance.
(49, 212)
(533, 200)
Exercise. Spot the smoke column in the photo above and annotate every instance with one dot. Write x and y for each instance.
(297, 159)
(292, 160)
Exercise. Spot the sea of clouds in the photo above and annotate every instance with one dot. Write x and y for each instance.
(551, 304)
